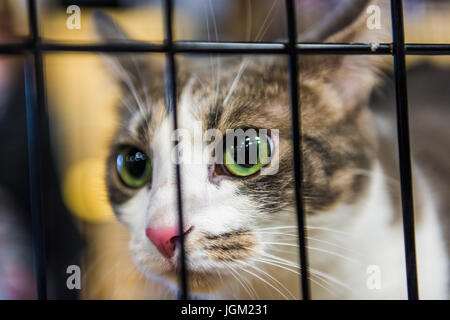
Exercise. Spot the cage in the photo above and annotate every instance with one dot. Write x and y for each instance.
(44, 186)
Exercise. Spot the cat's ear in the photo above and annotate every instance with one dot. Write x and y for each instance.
(128, 68)
(352, 76)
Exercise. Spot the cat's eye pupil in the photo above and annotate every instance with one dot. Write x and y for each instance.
(246, 156)
(245, 148)
(133, 167)
(136, 163)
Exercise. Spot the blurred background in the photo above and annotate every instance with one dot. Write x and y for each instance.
(80, 114)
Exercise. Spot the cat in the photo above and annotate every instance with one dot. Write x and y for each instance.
(240, 224)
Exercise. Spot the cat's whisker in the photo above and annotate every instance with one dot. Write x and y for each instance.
(332, 244)
(275, 233)
(256, 296)
(278, 227)
(236, 276)
(281, 266)
(248, 36)
(284, 249)
(249, 289)
(130, 106)
(289, 250)
(242, 67)
(144, 82)
(229, 284)
(208, 34)
(282, 234)
(127, 104)
(281, 260)
(266, 28)
(233, 274)
(329, 230)
(235, 82)
(261, 31)
(266, 282)
(313, 248)
(269, 276)
(125, 77)
(219, 274)
(197, 77)
(311, 270)
(280, 244)
(218, 61)
(333, 279)
(250, 286)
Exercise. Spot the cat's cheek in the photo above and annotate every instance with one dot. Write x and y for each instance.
(146, 259)
(133, 212)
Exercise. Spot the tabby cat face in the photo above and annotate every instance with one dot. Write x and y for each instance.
(231, 221)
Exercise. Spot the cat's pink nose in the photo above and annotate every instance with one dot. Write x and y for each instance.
(165, 239)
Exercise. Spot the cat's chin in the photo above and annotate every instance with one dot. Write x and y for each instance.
(198, 282)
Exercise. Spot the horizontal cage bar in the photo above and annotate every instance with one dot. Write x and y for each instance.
(201, 47)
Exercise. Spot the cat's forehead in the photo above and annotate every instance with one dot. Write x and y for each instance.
(243, 93)
(231, 93)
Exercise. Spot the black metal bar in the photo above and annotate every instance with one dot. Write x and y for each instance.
(345, 48)
(229, 47)
(16, 48)
(35, 97)
(33, 136)
(297, 147)
(404, 148)
(200, 47)
(171, 105)
(427, 49)
(137, 47)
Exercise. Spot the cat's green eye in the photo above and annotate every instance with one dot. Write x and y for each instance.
(134, 167)
(247, 156)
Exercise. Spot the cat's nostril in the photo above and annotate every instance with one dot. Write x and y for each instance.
(165, 239)
(174, 240)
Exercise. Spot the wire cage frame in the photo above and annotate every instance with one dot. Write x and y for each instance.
(37, 125)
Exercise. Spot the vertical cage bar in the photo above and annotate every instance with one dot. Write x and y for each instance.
(404, 147)
(171, 105)
(297, 148)
(35, 105)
